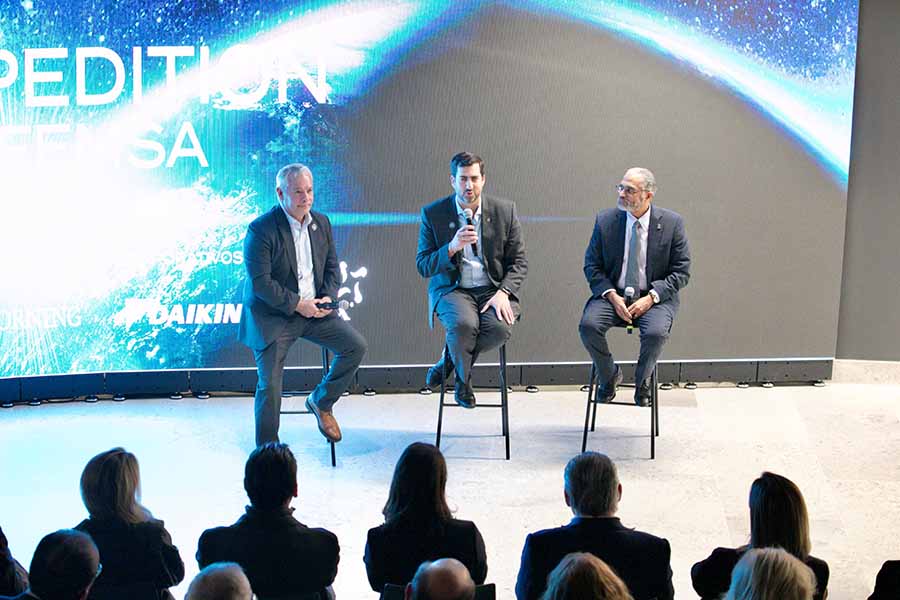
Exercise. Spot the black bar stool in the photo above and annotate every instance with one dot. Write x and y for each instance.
(654, 408)
(326, 358)
(503, 406)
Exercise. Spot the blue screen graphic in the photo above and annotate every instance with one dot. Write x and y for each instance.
(138, 140)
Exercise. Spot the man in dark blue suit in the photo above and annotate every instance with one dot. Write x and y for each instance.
(637, 260)
(476, 264)
(592, 491)
(292, 268)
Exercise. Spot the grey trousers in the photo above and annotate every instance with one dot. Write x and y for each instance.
(469, 331)
(654, 325)
(332, 332)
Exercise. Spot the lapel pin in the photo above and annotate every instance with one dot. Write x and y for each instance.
(452, 225)
(659, 226)
(314, 227)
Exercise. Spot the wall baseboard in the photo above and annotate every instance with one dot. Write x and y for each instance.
(405, 379)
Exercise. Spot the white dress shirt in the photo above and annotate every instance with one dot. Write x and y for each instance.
(471, 267)
(300, 232)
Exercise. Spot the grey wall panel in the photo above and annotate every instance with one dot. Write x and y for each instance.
(869, 322)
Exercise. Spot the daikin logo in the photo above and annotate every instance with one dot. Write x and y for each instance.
(155, 313)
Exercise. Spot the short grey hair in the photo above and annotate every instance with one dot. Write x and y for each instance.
(592, 485)
(290, 171)
(647, 177)
(220, 581)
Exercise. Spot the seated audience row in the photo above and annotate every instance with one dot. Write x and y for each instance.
(269, 551)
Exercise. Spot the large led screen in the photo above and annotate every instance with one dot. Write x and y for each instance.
(138, 140)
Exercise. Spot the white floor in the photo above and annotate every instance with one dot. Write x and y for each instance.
(841, 444)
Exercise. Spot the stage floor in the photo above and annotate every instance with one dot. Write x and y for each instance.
(839, 443)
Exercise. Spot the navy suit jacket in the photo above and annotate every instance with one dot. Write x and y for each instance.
(641, 560)
(668, 256)
(282, 557)
(271, 292)
(502, 248)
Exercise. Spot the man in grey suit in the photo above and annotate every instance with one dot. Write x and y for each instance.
(637, 260)
(472, 250)
(292, 270)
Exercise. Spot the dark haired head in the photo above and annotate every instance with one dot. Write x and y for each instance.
(270, 476)
(64, 565)
(778, 515)
(417, 489)
(465, 159)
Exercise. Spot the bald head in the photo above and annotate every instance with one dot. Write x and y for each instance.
(444, 579)
(220, 581)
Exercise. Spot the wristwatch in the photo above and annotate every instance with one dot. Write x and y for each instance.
(655, 296)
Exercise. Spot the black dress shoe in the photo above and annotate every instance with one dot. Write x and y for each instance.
(642, 394)
(433, 377)
(608, 392)
(464, 395)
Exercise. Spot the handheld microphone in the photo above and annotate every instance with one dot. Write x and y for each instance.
(335, 305)
(629, 300)
(468, 213)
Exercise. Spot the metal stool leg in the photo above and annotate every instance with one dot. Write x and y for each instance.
(587, 412)
(504, 398)
(326, 359)
(441, 398)
(654, 381)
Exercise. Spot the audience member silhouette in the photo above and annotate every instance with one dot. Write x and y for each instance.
(592, 491)
(220, 581)
(13, 576)
(64, 566)
(771, 574)
(139, 559)
(418, 525)
(582, 575)
(281, 556)
(778, 518)
(887, 582)
(444, 579)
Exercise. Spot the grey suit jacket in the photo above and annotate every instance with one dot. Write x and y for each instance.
(270, 289)
(668, 255)
(503, 250)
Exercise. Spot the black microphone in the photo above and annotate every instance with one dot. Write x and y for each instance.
(334, 305)
(468, 213)
(629, 300)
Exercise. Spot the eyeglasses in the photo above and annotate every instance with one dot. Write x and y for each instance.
(630, 191)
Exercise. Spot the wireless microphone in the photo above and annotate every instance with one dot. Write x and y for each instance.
(468, 213)
(629, 300)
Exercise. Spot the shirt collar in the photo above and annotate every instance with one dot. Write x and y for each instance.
(459, 209)
(294, 223)
(645, 220)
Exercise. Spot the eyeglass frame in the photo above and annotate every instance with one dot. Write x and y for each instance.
(629, 191)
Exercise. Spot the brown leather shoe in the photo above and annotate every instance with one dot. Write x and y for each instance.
(328, 425)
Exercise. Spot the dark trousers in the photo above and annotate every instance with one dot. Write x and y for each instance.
(469, 331)
(654, 325)
(332, 332)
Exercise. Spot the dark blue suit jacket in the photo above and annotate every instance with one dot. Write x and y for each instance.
(668, 255)
(270, 289)
(641, 560)
(502, 248)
